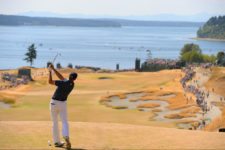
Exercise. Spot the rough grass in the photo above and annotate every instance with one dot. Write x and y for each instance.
(179, 115)
(150, 97)
(134, 99)
(156, 110)
(8, 99)
(217, 81)
(188, 112)
(119, 107)
(104, 78)
(179, 101)
(217, 123)
(192, 110)
(148, 105)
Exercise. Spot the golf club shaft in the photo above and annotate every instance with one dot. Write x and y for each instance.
(55, 58)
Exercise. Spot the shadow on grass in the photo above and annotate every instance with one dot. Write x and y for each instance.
(72, 148)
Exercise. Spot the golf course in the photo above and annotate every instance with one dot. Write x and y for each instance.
(116, 110)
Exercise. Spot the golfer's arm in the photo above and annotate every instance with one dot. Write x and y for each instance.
(59, 75)
(50, 81)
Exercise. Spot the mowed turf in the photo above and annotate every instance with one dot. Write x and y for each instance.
(90, 135)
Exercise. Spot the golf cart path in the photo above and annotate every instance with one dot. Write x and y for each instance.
(92, 135)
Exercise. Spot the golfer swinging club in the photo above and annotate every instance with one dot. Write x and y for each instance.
(58, 105)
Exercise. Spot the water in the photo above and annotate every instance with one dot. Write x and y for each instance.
(99, 47)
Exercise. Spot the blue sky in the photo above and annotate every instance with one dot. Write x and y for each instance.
(117, 8)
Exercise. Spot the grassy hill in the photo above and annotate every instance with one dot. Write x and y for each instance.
(14, 20)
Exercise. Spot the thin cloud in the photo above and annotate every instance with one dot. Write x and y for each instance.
(115, 7)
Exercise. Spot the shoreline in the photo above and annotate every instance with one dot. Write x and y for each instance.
(208, 39)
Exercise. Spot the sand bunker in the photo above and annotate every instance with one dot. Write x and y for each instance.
(165, 114)
(4, 105)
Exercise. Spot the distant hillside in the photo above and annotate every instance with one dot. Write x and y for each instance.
(200, 17)
(45, 21)
(124, 22)
(214, 28)
(51, 21)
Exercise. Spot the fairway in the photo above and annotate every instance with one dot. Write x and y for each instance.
(92, 135)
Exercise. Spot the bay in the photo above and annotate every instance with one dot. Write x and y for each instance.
(95, 46)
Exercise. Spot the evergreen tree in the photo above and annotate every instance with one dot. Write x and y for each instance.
(31, 54)
(70, 65)
(58, 66)
(220, 58)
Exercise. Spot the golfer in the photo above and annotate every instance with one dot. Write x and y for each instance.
(58, 105)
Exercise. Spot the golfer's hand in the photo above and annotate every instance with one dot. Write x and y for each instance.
(49, 69)
(51, 66)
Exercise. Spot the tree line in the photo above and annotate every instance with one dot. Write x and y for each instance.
(214, 28)
(189, 54)
(192, 53)
(13, 20)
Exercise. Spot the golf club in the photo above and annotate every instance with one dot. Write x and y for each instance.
(53, 61)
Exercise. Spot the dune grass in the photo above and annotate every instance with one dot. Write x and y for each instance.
(148, 105)
(179, 115)
(217, 81)
(8, 99)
